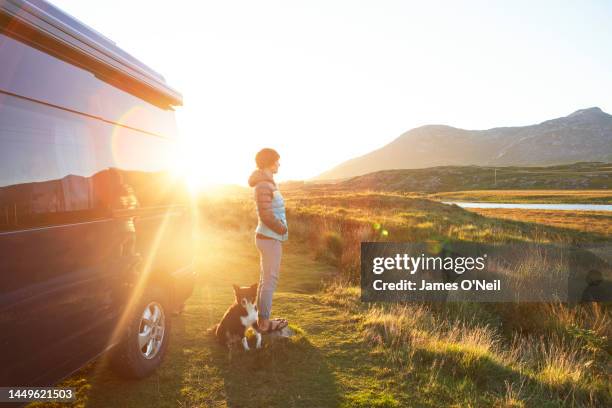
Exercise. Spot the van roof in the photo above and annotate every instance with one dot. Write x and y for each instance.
(66, 30)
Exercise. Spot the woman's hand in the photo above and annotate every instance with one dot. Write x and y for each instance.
(285, 228)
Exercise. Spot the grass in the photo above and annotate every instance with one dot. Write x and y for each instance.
(596, 222)
(351, 354)
(457, 354)
(460, 354)
(322, 366)
(528, 196)
(334, 217)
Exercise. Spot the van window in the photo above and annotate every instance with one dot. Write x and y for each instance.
(32, 73)
(59, 167)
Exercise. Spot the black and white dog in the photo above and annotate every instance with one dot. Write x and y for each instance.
(239, 317)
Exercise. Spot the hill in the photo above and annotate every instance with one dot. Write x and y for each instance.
(583, 136)
(454, 178)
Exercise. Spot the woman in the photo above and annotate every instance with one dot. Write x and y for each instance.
(271, 231)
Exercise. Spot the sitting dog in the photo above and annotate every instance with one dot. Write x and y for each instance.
(239, 317)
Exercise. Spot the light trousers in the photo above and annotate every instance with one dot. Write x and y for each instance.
(270, 252)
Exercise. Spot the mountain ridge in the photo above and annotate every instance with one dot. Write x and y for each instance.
(584, 135)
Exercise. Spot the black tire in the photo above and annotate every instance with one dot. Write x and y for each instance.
(128, 359)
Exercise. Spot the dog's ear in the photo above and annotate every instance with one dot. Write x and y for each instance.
(236, 290)
(254, 286)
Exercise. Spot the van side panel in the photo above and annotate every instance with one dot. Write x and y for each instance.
(82, 201)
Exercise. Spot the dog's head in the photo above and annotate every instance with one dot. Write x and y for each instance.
(245, 294)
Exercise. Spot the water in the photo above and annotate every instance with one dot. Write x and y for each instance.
(563, 207)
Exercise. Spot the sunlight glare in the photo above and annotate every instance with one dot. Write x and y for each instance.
(204, 166)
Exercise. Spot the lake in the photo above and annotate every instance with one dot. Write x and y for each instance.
(532, 206)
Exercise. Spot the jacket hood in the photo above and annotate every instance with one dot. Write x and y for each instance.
(260, 175)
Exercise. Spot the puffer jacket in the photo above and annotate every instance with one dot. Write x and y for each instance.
(272, 220)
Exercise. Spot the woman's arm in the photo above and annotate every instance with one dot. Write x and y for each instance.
(263, 199)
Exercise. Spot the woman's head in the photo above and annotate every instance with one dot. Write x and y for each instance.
(267, 159)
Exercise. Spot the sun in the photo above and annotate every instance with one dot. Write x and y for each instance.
(203, 164)
(189, 167)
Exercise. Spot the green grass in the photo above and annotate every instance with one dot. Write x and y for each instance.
(453, 354)
(327, 364)
(334, 361)
(349, 354)
(458, 355)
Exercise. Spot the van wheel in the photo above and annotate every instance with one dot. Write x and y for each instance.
(145, 339)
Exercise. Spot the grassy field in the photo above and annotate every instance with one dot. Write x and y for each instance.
(596, 222)
(333, 223)
(350, 354)
(464, 354)
(528, 196)
(347, 354)
(327, 364)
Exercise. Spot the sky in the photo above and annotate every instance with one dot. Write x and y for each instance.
(324, 81)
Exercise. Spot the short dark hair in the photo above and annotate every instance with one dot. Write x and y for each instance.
(266, 157)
